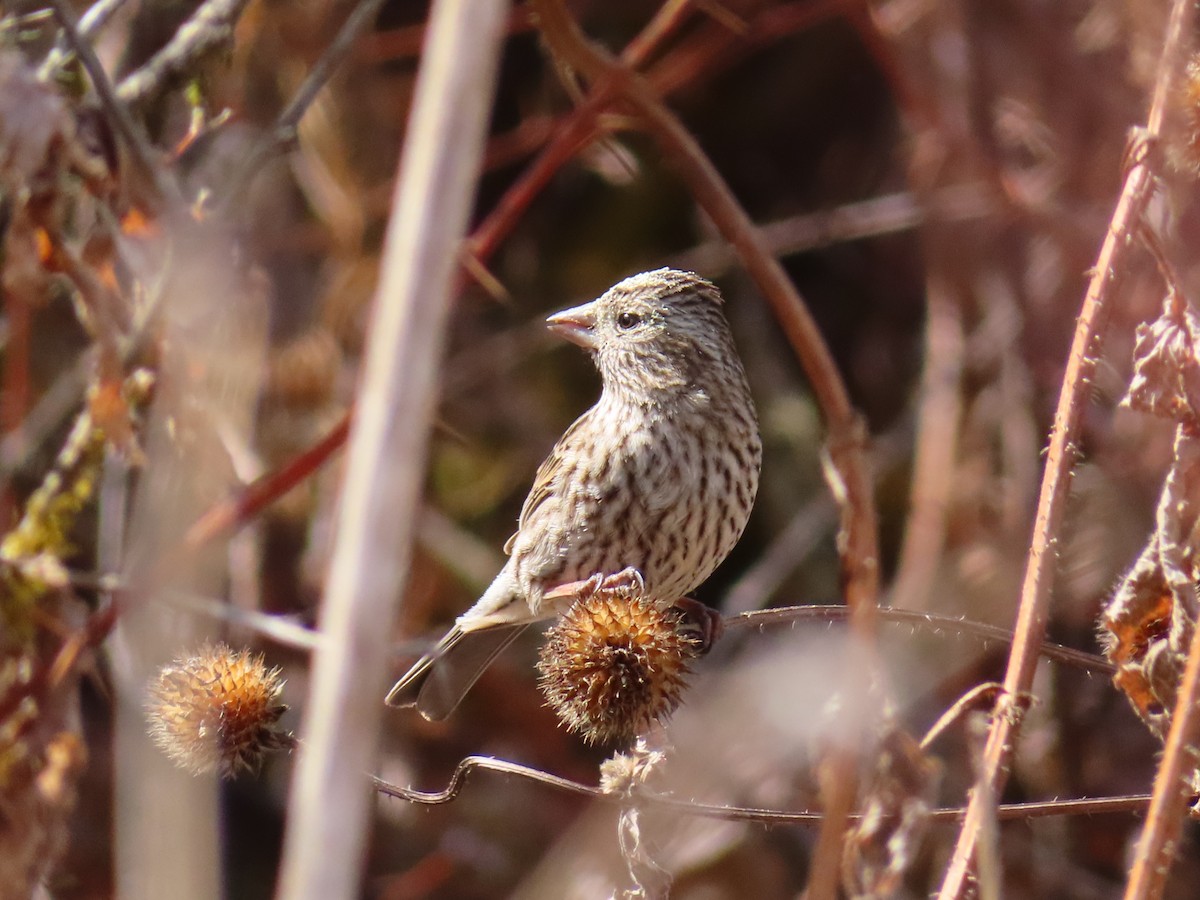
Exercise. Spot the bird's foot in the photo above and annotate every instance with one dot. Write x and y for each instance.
(706, 623)
(628, 580)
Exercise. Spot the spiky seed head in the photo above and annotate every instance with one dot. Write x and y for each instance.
(217, 710)
(615, 662)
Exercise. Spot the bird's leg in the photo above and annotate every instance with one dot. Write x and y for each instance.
(707, 623)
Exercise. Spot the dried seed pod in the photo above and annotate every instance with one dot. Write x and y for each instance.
(217, 711)
(615, 662)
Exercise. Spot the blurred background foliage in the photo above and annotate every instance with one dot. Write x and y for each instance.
(938, 176)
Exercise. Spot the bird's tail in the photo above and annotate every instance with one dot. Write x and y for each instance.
(439, 680)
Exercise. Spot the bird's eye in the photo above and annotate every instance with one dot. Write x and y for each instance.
(628, 320)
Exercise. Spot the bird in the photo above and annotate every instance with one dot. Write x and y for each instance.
(654, 483)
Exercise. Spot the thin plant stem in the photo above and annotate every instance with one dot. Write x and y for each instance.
(1033, 810)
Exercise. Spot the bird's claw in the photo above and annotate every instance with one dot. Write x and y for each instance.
(627, 580)
(705, 622)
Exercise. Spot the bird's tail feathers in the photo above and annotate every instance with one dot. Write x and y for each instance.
(438, 681)
(406, 691)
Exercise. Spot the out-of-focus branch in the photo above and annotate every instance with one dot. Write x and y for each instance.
(207, 30)
(376, 521)
(936, 450)
(882, 215)
(1035, 592)
(90, 23)
(575, 133)
(284, 132)
(163, 188)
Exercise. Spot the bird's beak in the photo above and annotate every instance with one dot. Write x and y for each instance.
(577, 325)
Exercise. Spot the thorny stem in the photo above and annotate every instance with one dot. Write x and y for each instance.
(938, 623)
(1035, 592)
(848, 473)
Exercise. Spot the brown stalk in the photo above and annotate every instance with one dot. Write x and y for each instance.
(848, 472)
(1035, 592)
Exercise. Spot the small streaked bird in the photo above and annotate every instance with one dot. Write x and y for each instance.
(655, 482)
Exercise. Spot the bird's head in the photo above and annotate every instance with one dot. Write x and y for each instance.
(657, 331)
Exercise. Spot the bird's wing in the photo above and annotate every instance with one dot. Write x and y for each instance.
(547, 479)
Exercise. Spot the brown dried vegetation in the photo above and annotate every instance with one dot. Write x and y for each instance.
(913, 208)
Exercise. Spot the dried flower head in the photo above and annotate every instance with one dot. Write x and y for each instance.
(614, 662)
(217, 711)
(623, 773)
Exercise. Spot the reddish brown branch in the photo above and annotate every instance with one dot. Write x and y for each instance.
(1035, 593)
(571, 136)
(234, 512)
